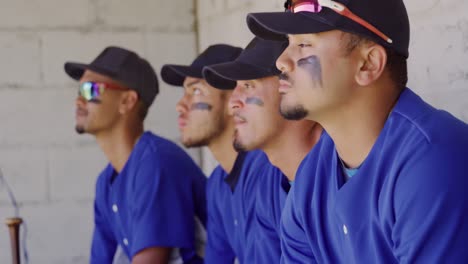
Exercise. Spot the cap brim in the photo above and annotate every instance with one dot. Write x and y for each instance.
(276, 25)
(234, 71)
(216, 80)
(76, 70)
(176, 74)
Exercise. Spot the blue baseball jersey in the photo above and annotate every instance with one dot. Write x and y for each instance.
(152, 202)
(231, 209)
(407, 203)
(271, 197)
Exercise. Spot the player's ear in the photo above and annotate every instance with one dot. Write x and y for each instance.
(372, 61)
(128, 101)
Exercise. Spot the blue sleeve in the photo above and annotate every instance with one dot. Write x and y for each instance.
(431, 206)
(218, 249)
(104, 244)
(294, 245)
(163, 212)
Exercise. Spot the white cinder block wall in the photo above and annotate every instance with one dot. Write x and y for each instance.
(51, 169)
(438, 63)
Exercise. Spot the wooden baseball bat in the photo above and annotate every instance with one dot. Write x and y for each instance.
(13, 224)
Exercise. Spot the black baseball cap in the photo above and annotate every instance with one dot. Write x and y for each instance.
(388, 16)
(124, 66)
(258, 60)
(218, 53)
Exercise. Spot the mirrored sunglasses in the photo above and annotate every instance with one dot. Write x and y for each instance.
(93, 90)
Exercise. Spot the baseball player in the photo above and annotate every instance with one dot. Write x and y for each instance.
(205, 121)
(150, 192)
(259, 125)
(386, 184)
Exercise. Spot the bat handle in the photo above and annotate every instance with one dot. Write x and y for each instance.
(14, 226)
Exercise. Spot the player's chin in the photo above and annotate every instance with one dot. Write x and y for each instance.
(188, 142)
(192, 141)
(237, 143)
(243, 144)
(80, 129)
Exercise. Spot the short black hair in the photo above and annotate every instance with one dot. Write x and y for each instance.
(396, 63)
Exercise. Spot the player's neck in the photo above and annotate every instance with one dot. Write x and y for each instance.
(118, 144)
(356, 127)
(222, 149)
(292, 145)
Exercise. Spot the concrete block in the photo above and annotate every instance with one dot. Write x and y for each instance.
(74, 170)
(266, 6)
(208, 8)
(438, 58)
(170, 48)
(45, 13)
(239, 4)
(165, 16)
(20, 54)
(214, 30)
(434, 12)
(25, 170)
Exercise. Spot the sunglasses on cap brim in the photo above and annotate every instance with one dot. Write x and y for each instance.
(315, 6)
